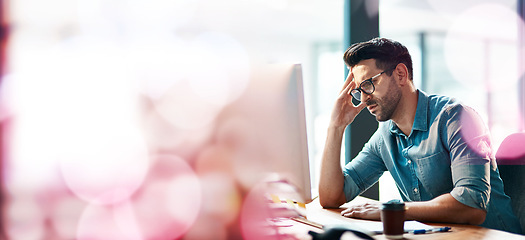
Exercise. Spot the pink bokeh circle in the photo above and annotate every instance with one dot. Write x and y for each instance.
(105, 169)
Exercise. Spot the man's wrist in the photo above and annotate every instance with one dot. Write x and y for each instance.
(336, 129)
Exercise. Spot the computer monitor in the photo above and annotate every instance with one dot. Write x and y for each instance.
(297, 169)
(272, 124)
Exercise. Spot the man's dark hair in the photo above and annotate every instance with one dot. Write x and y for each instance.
(386, 52)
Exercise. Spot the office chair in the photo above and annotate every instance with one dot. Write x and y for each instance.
(510, 158)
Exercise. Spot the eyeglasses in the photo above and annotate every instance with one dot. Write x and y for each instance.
(367, 86)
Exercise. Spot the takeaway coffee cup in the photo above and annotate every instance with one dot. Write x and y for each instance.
(393, 218)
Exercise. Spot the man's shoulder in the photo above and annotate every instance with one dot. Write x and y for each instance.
(439, 104)
(441, 100)
(451, 110)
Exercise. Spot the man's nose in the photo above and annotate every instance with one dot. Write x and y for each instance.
(365, 97)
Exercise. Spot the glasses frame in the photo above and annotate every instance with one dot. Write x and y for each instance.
(361, 90)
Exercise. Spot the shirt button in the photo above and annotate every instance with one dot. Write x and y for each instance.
(415, 190)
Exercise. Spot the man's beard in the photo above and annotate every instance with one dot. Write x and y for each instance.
(387, 105)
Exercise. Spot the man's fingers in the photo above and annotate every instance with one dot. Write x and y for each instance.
(348, 81)
(345, 91)
(364, 211)
(352, 210)
(356, 213)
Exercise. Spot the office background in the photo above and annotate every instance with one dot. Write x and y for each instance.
(71, 62)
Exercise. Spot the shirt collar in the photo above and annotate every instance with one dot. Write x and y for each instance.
(421, 118)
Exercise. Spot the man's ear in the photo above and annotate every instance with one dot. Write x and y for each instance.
(401, 74)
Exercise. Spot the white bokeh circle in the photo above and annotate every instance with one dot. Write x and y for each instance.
(220, 68)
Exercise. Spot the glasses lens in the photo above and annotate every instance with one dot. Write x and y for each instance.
(368, 87)
(356, 94)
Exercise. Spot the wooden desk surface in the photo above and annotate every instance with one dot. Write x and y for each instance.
(300, 230)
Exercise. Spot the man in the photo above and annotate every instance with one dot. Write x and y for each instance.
(437, 150)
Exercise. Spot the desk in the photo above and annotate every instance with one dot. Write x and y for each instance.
(458, 232)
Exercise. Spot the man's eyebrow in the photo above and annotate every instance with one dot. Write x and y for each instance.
(364, 79)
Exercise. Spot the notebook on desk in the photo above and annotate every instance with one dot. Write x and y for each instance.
(375, 227)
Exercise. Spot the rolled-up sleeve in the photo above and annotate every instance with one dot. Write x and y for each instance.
(350, 187)
(471, 157)
(471, 186)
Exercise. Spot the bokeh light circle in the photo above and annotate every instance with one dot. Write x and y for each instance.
(184, 109)
(221, 68)
(168, 205)
(102, 156)
(100, 222)
(104, 169)
(210, 72)
(191, 80)
(475, 133)
(222, 199)
(158, 62)
(24, 219)
(255, 213)
(65, 216)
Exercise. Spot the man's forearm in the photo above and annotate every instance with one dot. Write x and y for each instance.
(331, 181)
(444, 208)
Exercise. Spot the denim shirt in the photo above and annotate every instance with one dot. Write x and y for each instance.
(448, 151)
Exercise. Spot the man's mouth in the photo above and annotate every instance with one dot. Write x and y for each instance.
(372, 107)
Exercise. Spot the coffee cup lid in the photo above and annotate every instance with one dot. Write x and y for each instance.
(394, 204)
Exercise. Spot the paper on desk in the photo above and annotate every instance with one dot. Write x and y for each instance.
(363, 225)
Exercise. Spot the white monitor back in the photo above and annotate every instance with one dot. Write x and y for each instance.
(274, 145)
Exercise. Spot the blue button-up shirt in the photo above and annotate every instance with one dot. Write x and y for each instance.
(448, 151)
